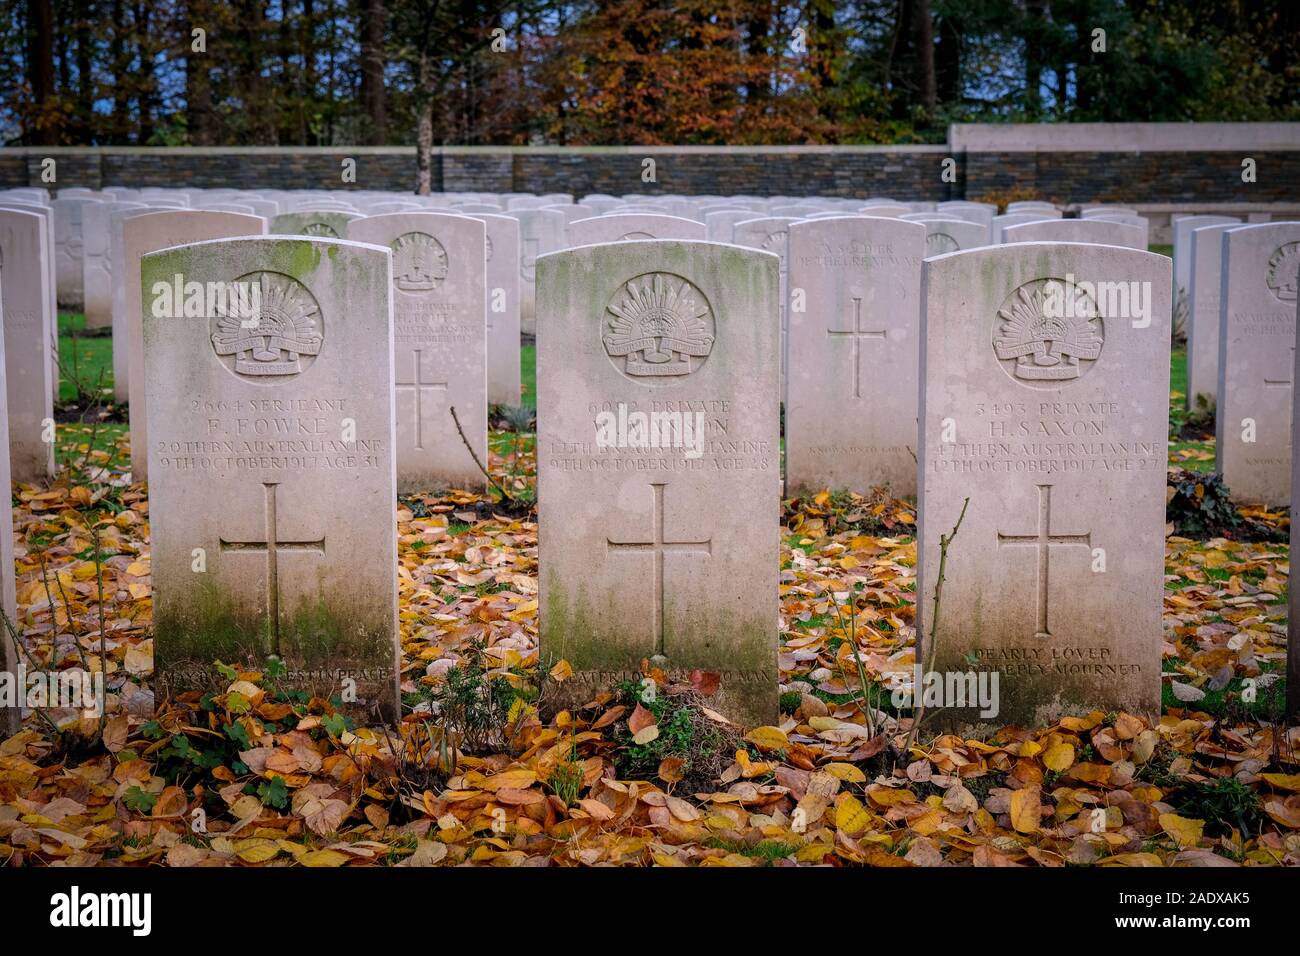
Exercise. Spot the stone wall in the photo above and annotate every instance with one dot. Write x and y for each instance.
(1070, 163)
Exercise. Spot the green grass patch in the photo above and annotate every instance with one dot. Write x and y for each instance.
(528, 369)
(1267, 706)
(83, 356)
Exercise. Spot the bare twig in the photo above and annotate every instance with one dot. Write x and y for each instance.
(505, 495)
(54, 610)
(945, 540)
(103, 638)
(20, 646)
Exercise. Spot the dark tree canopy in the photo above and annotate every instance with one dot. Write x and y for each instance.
(345, 72)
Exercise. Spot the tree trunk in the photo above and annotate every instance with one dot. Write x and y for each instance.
(198, 81)
(85, 79)
(424, 130)
(40, 69)
(118, 69)
(925, 81)
(144, 57)
(374, 100)
(1034, 12)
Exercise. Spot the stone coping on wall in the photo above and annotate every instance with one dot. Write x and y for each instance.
(1122, 137)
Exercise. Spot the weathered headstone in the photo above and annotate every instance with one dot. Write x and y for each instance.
(1293, 594)
(320, 223)
(1096, 231)
(10, 717)
(1182, 228)
(1257, 297)
(850, 412)
(771, 234)
(439, 345)
(27, 310)
(121, 326)
(1017, 219)
(720, 224)
(1088, 212)
(281, 425)
(1138, 222)
(980, 212)
(619, 228)
(67, 247)
(525, 202)
(951, 235)
(97, 261)
(147, 233)
(889, 210)
(660, 543)
(46, 213)
(503, 356)
(540, 231)
(1033, 205)
(1045, 404)
(1205, 249)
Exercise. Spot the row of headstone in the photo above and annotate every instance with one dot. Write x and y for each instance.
(1258, 272)
(659, 450)
(10, 716)
(295, 444)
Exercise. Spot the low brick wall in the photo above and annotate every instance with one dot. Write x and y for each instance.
(1133, 163)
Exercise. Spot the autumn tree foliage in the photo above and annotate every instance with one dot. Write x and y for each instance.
(339, 72)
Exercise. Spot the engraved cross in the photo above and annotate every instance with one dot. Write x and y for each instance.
(1282, 382)
(659, 548)
(418, 387)
(1043, 541)
(271, 546)
(855, 336)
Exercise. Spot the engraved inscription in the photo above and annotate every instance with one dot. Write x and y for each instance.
(320, 229)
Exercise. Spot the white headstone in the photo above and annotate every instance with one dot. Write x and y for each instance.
(10, 717)
(27, 311)
(1045, 406)
(1257, 308)
(97, 261)
(620, 228)
(145, 233)
(853, 341)
(1205, 249)
(272, 474)
(439, 345)
(1097, 231)
(504, 370)
(317, 224)
(540, 231)
(666, 554)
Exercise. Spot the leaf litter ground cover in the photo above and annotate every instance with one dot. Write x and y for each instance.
(483, 771)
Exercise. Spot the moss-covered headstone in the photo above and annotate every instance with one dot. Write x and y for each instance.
(658, 468)
(271, 465)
